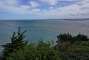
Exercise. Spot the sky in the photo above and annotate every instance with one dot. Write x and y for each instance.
(43, 9)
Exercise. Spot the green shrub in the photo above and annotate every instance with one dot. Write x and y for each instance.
(41, 51)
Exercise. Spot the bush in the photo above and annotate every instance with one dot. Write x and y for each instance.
(41, 51)
(17, 42)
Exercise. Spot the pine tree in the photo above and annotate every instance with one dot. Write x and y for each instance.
(17, 42)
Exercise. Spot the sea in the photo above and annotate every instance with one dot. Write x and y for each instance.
(45, 30)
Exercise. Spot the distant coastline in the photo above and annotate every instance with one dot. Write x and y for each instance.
(77, 19)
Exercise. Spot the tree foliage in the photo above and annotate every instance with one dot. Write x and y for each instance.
(73, 47)
(41, 51)
(17, 42)
(67, 47)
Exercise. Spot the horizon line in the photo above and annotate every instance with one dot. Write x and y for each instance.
(72, 19)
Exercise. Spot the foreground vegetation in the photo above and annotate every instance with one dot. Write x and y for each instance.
(67, 47)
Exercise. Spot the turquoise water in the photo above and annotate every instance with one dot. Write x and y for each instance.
(42, 29)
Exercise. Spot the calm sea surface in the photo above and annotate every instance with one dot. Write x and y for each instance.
(42, 29)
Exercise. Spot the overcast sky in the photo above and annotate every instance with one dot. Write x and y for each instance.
(43, 9)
